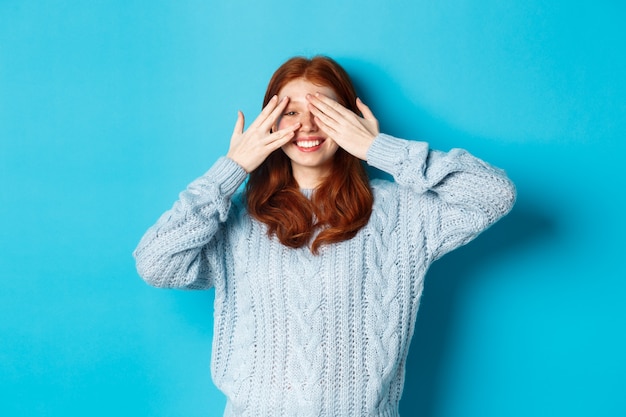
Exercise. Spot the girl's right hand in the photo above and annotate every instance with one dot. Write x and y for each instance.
(249, 148)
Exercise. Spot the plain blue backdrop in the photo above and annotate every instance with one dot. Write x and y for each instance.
(109, 108)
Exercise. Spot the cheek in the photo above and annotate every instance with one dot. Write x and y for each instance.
(281, 123)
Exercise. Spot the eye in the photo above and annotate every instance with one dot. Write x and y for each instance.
(290, 113)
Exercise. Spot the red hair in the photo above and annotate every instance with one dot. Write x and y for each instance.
(341, 205)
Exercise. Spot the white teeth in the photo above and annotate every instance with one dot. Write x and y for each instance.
(308, 143)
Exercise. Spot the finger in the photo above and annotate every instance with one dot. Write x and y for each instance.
(334, 110)
(365, 110)
(281, 137)
(287, 131)
(323, 116)
(318, 112)
(267, 110)
(325, 119)
(239, 124)
(330, 106)
(273, 117)
(319, 108)
(330, 128)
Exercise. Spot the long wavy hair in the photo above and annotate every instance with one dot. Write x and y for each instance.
(341, 205)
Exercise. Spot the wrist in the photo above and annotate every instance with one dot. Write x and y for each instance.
(238, 160)
(366, 145)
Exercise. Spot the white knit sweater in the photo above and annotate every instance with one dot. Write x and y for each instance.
(327, 335)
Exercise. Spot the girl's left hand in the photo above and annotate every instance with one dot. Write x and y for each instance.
(353, 133)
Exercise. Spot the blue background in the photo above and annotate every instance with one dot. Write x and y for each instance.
(109, 108)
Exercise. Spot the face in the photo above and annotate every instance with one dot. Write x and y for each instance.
(311, 151)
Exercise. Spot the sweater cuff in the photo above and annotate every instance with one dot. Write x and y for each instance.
(227, 174)
(385, 152)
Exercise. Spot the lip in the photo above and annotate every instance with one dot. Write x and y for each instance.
(309, 143)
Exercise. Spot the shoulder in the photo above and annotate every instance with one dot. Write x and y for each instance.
(393, 201)
(238, 208)
(384, 190)
(240, 222)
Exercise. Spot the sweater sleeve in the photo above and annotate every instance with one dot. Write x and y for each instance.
(184, 248)
(458, 195)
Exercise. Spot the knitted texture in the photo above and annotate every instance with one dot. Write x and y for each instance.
(303, 335)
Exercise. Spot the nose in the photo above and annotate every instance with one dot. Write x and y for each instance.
(307, 120)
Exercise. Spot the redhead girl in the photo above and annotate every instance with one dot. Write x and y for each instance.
(317, 270)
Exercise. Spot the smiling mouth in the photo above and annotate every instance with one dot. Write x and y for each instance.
(308, 143)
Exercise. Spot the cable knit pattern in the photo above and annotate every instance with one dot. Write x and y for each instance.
(303, 335)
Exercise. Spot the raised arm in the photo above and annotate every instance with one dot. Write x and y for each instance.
(170, 253)
(184, 248)
(459, 195)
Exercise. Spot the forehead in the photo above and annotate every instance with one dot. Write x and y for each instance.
(299, 88)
